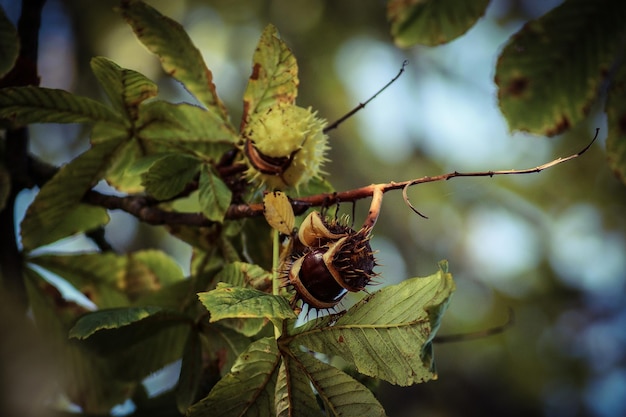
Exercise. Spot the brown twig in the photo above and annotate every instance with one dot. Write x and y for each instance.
(146, 209)
(464, 337)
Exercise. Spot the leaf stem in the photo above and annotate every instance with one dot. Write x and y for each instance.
(275, 275)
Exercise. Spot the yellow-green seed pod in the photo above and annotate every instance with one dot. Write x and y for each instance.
(285, 146)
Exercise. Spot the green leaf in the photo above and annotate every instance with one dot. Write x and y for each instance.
(168, 40)
(249, 389)
(340, 393)
(388, 334)
(274, 77)
(136, 341)
(94, 275)
(113, 318)
(294, 396)
(278, 212)
(227, 301)
(432, 22)
(54, 214)
(190, 373)
(215, 196)
(9, 44)
(169, 175)
(125, 88)
(111, 280)
(171, 128)
(616, 115)
(550, 72)
(241, 274)
(77, 367)
(224, 345)
(24, 105)
(120, 174)
(164, 270)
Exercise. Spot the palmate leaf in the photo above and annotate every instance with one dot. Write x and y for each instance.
(53, 214)
(135, 341)
(274, 77)
(179, 57)
(9, 44)
(214, 196)
(77, 366)
(169, 175)
(387, 335)
(616, 115)
(294, 397)
(224, 345)
(109, 280)
(170, 128)
(249, 389)
(94, 275)
(124, 87)
(432, 22)
(113, 318)
(340, 393)
(24, 105)
(134, 322)
(190, 372)
(227, 301)
(550, 72)
(241, 274)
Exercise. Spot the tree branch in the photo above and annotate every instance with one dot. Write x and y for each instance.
(146, 208)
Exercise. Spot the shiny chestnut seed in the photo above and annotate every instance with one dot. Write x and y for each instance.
(313, 282)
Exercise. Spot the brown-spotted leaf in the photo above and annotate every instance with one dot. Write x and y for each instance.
(274, 77)
(179, 57)
(550, 72)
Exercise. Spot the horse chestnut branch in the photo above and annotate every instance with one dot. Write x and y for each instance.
(147, 210)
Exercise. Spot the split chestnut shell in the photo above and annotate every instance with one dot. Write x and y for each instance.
(328, 260)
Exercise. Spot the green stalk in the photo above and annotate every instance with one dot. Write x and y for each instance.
(275, 266)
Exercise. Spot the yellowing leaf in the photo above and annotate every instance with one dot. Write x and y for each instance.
(278, 212)
(125, 88)
(387, 335)
(274, 77)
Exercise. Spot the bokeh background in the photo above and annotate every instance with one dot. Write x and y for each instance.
(550, 246)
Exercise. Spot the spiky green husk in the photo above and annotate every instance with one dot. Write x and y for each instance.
(289, 133)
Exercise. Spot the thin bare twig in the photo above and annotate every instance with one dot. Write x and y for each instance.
(464, 337)
(336, 123)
